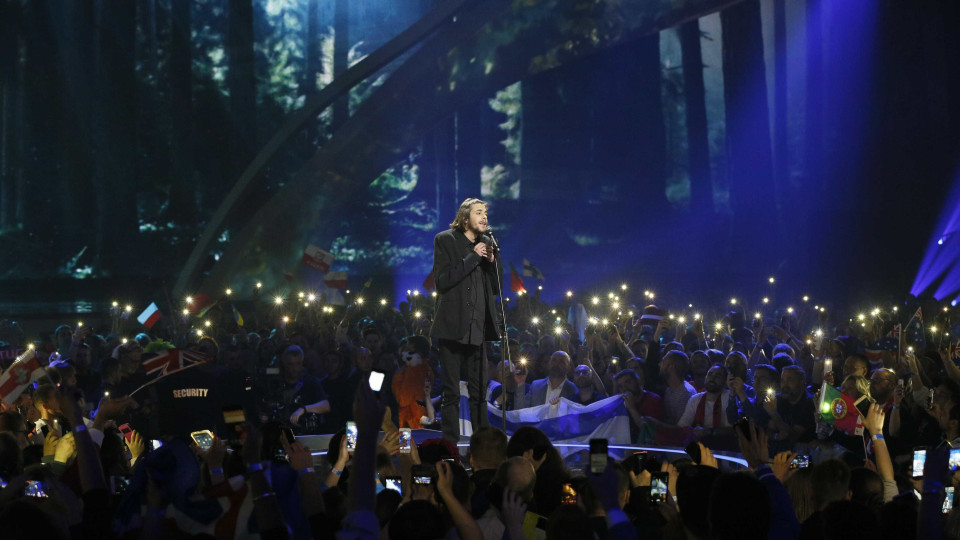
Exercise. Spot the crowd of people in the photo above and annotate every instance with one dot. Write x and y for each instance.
(99, 447)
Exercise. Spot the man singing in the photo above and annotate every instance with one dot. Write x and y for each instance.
(465, 267)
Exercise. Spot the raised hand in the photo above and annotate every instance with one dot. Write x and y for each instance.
(214, 455)
(706, 457)
(781, 465)
(136, 444)
(874, 420)
(300, 457)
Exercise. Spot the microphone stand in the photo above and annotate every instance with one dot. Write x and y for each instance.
(504, 340)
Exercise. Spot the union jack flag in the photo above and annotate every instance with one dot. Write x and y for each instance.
(894, 332)
(170, 361)
(955, 351)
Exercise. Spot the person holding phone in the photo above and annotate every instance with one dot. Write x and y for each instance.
(468, 275)
(301, 394)
(47, 400)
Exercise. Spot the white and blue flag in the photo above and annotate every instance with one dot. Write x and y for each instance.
(565, 422)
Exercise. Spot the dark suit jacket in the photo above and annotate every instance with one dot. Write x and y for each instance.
(453, 260)
(536, 394)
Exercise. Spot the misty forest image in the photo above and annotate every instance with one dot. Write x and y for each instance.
(195, 145)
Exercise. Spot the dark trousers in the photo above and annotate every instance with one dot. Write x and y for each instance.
(459, 361)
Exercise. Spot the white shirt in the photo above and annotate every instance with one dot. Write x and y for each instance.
(691, 411)
(552, 393)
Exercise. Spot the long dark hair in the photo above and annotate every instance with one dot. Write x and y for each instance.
(463, 214)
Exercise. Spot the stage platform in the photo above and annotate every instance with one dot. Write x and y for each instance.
(575, 454)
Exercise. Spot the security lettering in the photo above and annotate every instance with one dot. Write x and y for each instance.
(190, 392)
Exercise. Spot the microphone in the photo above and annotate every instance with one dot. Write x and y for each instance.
(493, 241)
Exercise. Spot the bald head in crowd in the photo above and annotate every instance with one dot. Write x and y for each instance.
(518, 475)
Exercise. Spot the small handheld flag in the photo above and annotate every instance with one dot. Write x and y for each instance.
(21, 374)
(840, 410)
(336, 280)
(530, 270)
(516, 282)
(317, 258)
(150, 316)
(169, 361)
(200, 304)
(430, 282)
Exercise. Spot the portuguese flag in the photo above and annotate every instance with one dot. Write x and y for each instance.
(840, 410)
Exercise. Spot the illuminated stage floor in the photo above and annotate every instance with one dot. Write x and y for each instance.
(574, 453)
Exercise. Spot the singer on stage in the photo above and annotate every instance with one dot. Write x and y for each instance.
(465, 266)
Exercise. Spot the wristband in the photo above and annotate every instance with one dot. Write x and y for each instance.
(264, 496)
(337, 472)
(79, 427)
(305, 470)
(158, 512)
(216, 470)
(254, 467)
(878, 436)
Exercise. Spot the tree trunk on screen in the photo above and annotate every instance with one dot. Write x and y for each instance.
(152, 157)
(695, 101)
(311, 40)
(182, 207)
(116, 172)
(11, 121)
(242, 83)
(747, 115)
(77, 123)
(41, 122)
(341, 57)
(628, 138)
(468, 150)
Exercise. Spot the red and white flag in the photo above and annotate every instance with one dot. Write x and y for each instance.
(317, 258)
(170, 361)
(21, 374)
(150, 316)
(336, 280)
